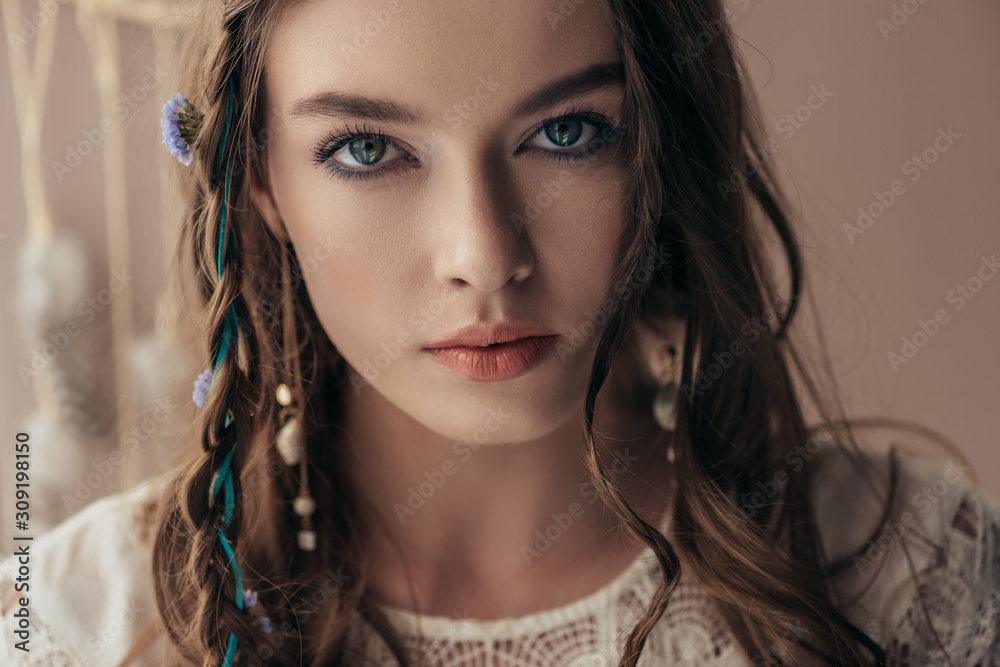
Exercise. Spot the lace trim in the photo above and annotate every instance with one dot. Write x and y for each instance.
(45, 647)
(638, 575)
(960, 593)
(689, 633)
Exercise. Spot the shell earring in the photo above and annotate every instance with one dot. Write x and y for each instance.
(291, 447)
(290, 441)
(665, 402)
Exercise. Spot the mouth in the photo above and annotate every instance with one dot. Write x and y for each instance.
(494, 362)
(490, 335)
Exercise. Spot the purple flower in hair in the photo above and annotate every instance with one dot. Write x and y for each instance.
(201, 387)
(250, 601)
(249, 598)
(180, 124)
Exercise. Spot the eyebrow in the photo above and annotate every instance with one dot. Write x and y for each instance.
(334, 104)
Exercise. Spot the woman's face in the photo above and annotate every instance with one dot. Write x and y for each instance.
(412, 169)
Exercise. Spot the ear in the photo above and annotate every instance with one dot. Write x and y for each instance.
(260, 195)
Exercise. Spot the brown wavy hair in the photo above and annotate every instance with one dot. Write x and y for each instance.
(691, 127)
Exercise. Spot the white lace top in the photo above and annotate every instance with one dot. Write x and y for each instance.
(91, 599)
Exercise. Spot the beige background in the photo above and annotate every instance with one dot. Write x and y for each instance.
(888, 98)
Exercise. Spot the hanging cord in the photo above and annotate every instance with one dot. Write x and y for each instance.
(99, 30)
(30, 84)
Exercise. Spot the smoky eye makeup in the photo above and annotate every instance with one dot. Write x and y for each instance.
(575, 134)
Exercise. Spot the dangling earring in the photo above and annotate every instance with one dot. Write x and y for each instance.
(665, 402)
(290, 442)
(664, 405)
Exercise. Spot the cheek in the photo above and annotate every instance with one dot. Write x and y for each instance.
(581, 236)
(357, 295)
(355, 269)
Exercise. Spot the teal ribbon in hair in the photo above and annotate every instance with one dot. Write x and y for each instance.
(222, 151)
(223, 476)
(232, 324)
(230, 337)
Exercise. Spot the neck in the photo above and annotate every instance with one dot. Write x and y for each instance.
(436, 505)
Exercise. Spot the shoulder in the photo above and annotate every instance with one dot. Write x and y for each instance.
(87, 581)
(849, 491)
(932, 571)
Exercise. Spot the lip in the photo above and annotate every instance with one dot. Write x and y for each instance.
(493, 354)
(485, 334)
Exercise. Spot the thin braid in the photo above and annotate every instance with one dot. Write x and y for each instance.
(223, 478)
(232, 327)
(229, 173)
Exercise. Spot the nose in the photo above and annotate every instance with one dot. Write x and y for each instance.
(481, 245)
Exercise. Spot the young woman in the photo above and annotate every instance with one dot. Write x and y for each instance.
(469, 276)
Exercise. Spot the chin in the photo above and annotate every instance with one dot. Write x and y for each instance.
(495, 414)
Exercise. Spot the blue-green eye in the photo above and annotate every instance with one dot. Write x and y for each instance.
(361, 153)
(593, 131)
(365, 154)
(565, 132)
(366, 151)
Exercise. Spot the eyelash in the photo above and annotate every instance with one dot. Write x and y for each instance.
(605, 124)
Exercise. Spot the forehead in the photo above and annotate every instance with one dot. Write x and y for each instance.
(432, 54)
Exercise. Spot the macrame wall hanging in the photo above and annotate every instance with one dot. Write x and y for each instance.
(92, 383)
